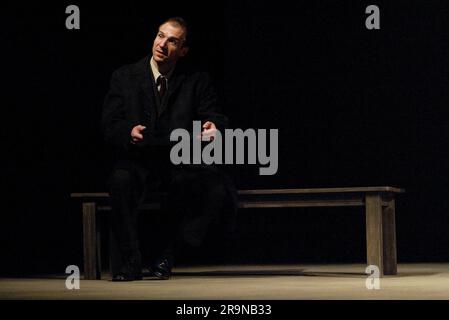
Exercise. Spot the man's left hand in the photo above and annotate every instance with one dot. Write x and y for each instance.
(209, 131)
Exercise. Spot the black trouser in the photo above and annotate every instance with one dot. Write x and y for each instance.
(195, 199)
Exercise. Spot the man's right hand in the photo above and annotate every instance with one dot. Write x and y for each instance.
(136, 133)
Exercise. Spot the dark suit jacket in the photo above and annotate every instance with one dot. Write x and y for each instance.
(132, 100)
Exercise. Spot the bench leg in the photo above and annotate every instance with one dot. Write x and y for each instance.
(374, 238)
(98, 252)
(389, 238)
(90, 242)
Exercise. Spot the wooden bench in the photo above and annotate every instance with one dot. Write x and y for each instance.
(379, 203)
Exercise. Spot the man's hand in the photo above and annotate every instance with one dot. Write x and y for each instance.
(136, 133)
(209, 131)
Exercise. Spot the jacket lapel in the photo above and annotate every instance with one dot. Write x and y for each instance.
(173, 85)
(151, 103)
(148, 87)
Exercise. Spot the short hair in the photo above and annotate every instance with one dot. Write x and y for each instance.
(180, 22)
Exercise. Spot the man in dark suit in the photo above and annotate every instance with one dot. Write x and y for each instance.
(145, 103)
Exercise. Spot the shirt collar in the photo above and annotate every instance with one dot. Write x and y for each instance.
(156, 72)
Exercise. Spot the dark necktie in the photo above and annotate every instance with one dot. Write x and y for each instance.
(162, 84)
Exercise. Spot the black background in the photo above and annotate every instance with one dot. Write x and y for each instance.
(354, 107)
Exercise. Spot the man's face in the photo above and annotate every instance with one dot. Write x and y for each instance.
(168, 46)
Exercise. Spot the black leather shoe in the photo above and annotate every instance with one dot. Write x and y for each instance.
(129, 268)
(161, 269)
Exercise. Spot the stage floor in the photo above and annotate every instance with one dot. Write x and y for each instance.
(252, 282)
